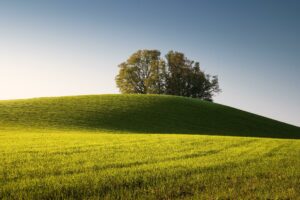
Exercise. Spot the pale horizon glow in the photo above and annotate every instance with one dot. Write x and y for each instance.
(66, 48)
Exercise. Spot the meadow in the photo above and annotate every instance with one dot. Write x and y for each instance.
(101, 147)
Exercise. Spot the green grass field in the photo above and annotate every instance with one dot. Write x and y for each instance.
(143, 147)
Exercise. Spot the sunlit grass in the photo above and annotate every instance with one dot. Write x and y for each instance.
(156, 166)
(143, 147)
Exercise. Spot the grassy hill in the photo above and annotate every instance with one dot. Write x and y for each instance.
(140, 114)
(112, 147)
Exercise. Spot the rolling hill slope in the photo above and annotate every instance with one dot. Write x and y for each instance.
(139, 114)
(100, 147)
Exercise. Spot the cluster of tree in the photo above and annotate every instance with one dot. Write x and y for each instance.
(145, 72)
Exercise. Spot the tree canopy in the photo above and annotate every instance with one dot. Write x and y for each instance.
(145, 72)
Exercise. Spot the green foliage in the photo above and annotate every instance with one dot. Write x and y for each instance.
(186, 79)
(146, 73)
(142, 73)
(139, 113)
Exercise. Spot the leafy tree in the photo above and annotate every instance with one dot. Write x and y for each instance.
(143, 72)
(146, 73)
(176, 72)
(186, 79)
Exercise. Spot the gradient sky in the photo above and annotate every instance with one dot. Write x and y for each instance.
(72, 47)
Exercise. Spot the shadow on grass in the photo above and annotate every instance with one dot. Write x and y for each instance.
(146, 114)
(181, 117)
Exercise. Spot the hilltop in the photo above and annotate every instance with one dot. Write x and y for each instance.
(143, 147)
(139, 114)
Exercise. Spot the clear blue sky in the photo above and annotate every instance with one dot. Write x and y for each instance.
(71, 47)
